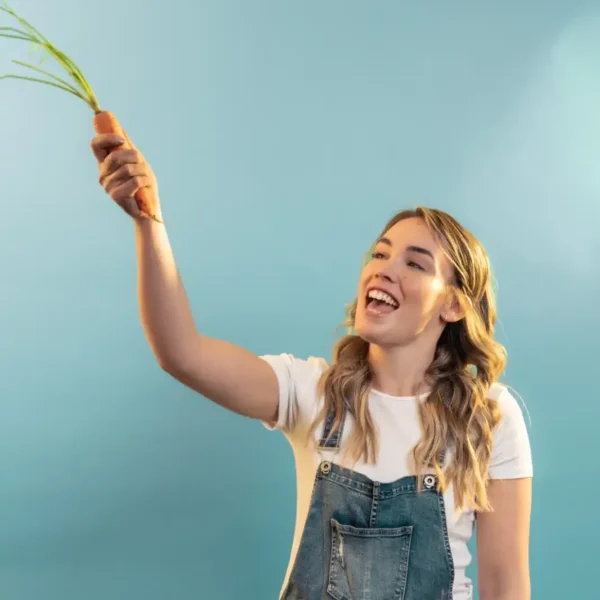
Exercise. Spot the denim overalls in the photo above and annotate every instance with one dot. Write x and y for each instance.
(365, 540)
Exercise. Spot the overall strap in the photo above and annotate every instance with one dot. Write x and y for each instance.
(333, 443)
(442, 457)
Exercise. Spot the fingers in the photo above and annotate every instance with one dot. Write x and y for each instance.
(118, 169)
(123, 193)
(104, 143)
(129, 205)
(122, 174)
(123, 170)
(115, 160)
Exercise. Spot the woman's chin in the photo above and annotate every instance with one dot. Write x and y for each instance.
(382, 332)
(369, 332)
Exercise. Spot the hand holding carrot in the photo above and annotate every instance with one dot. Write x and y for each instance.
(128, 171)
(124, 173)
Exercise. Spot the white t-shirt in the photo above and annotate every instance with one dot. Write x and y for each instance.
(399, 429)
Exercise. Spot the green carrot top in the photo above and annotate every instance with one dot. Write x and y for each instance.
(26, 32)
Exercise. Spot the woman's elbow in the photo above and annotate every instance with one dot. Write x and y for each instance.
(504, 584)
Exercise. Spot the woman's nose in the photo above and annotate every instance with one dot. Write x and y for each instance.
(387, 276)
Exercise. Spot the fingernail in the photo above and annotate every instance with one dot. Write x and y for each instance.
(120, 140)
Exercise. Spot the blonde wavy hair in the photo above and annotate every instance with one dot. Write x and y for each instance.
(457, 413)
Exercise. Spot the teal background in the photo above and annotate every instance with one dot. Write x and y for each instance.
(283, 134)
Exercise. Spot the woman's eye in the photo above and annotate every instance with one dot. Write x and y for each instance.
(414, 265)
(377, 255)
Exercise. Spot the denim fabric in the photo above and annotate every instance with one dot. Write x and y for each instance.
(365, 540)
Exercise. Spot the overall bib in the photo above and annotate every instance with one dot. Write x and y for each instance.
(365, 540)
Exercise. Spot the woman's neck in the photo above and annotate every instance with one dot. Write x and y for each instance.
(399, 371)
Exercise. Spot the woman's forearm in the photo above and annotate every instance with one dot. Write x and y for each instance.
(517, 590)
(165, 311)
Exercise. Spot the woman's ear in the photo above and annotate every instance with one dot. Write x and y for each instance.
(454, 308)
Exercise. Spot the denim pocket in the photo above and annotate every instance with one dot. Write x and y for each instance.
(368, 559)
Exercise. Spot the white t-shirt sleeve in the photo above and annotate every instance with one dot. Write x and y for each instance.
(511, 452)
(298, 381)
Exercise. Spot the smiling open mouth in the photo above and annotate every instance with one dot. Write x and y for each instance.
(380, 303)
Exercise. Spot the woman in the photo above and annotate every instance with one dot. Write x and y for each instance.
(402, 442)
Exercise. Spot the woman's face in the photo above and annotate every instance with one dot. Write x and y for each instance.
(404, 290)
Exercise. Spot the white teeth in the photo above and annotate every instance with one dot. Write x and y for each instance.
(383, 297)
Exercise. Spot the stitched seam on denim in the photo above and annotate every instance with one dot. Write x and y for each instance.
(405, 573)
(294, 568)
(332, 580)
(406, 489)
(340, 431)
(333, 444)
(367, 489)
(323, 443)
(374, 506)
(332, 478)
(449, 559)
(375, 532)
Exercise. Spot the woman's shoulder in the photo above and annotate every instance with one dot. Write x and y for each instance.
(511, 453)
(300, 370)
(505, 398)
(298, 388)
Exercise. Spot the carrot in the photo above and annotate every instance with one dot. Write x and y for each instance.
(104, 121)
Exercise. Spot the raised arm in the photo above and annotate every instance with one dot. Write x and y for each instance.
(223, 372)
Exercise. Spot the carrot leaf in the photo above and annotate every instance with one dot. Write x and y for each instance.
(15, 31)
(23, 77)
(48, 74)
(29, 33)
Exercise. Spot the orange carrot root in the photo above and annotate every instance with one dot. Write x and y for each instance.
(106, 122)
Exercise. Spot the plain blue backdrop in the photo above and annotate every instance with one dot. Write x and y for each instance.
(284, 135)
